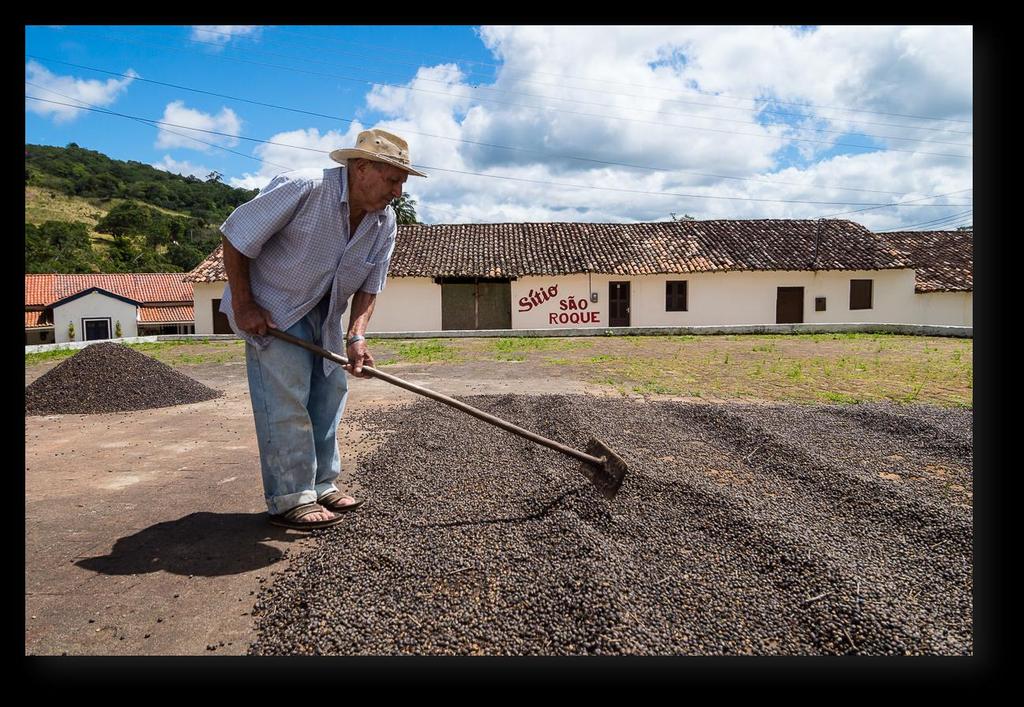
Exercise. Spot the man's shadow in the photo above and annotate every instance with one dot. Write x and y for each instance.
(201, 544)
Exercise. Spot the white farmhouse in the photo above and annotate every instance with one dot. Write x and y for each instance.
(97, 306)
(678, 273)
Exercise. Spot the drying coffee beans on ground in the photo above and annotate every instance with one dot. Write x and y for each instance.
(110, 377)
(739, 529)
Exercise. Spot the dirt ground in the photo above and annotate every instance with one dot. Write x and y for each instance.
(146, 532)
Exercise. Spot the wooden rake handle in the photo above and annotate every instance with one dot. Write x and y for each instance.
(452, 402)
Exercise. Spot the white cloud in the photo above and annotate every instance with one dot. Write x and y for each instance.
(169, 164)
(68, 89)
(627, 95)
(185, 121)
(218, 36)
(311, 160)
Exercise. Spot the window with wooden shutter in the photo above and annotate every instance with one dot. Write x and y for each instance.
(675, 296)
(860, 294)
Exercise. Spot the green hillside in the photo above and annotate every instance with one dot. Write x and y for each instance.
(85, 212)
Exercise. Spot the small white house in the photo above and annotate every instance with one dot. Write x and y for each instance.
(689, 273)
(61, 308)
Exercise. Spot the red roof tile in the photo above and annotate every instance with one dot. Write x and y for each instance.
(43, 290)
(943, 260)
(167, 315)
(36, 319)
(211, 269)
(519, 249)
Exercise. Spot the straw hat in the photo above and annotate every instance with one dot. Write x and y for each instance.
(379, 146)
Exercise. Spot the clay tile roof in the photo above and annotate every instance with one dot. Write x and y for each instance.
(518, 249)
(35, 319)
(166, 315)
(43, 290)
(504, 250)
(943, 260)
(211, 269)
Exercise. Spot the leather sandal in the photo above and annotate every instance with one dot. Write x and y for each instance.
(293, 518)
(332, 501)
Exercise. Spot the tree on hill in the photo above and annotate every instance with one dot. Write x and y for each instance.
(59, 246)
(87, 173)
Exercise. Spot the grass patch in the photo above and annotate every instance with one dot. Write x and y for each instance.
(59, 354)
(840, 398)
(425, 351)
(518, 348)
(43, 356)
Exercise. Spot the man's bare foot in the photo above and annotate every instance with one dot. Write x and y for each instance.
(306, 516)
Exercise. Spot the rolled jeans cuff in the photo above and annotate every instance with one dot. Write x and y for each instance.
(324, 488)
(283, 504)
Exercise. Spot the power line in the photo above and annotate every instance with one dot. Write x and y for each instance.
(634, 85)
(549, 108)
(905, 203)
(443, 137)
(173, 132)
(477, 174)
(935, 222)
(605, 92)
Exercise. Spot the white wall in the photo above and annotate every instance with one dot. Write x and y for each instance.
(951, 308)
(553, 302)
(715, 298)
(406, 304)
(414, 303)
(203, 294)
(94, 305)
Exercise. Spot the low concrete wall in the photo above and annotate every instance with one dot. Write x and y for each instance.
(82, 344)
(905, 329)
(858, 327)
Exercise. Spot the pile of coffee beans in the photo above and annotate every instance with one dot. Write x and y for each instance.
(111, 377)
(739, 529)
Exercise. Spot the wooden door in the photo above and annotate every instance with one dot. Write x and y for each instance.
(789, 306)
(618, 304)
(220, 320)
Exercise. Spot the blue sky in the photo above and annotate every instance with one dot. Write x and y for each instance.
(512, 123)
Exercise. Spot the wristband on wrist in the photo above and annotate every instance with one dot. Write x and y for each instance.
(354, 339)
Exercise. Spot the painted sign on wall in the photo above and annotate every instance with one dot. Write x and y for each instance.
(567, 310)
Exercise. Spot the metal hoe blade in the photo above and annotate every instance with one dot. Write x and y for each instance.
(606, 477)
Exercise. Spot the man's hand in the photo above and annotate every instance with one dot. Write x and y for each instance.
(358, 356)
(253, 319)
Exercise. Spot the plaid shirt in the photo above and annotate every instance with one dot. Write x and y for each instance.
(296, 235)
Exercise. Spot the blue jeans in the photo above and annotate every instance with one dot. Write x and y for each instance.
(297, 411)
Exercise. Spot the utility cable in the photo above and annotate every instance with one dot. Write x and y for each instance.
(629, 95)
(604, 82)
(477, 174)
(549, 108)
(451, 139)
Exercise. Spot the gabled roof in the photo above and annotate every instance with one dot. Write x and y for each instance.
(519, 249)
(943, 260)
(44, 290)
(89, 291)
(211, 269)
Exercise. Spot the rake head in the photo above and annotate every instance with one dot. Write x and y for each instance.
(607, 476)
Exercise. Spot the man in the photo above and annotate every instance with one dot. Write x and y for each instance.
(294, 256)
